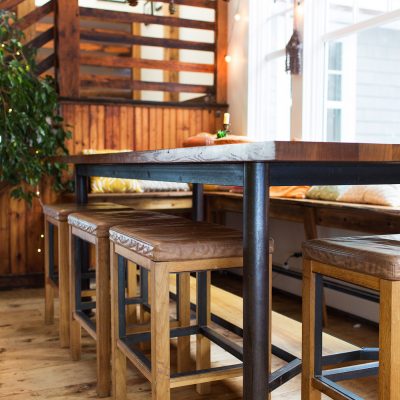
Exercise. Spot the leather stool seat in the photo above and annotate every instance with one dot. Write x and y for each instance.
(182, 240)
(60, 212)
(372, 255)
(99, 223)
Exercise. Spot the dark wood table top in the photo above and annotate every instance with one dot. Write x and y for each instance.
(273, 151)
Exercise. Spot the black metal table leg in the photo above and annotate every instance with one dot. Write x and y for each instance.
(255, 281)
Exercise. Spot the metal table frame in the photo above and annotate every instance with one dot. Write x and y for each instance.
(256, 177)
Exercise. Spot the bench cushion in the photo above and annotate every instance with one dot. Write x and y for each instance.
(184, 240)
(372, 255)
(99, 223)
(60, 212)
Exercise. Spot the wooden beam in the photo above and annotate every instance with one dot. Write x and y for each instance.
(221, 75)
(126, 62)
(42, 39)
(115, 82)
(130, 18)
(171, 32)
(126, 38)
(67, 47)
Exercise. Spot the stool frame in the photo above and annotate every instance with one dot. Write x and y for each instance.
(57, 280)
(160, 376)
(315, 380)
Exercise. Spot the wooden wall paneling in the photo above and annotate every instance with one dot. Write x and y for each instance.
(173, 128)
(199, 123)
(34, 243)
(166, 132)
(145, 128)
(93, 126)
(159, 128)
(5, 266)
(185, 128)
(77, 129)
(192, 123)
(69, 122)
(18, 237)
(123, 142)
(116, 128)
(138, 129)
(100, 127)
(179, 127)
(108, 127)
(152, 129)
(206, 121)
(85, 115)
(131, 127)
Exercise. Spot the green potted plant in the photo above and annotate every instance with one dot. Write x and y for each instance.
(31, 128)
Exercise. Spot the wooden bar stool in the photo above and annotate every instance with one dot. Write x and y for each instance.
(56, 215)
(185, 247)
(93, 227)
(372, 262)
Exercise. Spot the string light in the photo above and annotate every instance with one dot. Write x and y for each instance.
(39, 250)
(300, 8)
(42, 236)
(228, 58)
(237, 17)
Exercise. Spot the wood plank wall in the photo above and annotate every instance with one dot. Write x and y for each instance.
(96, 126)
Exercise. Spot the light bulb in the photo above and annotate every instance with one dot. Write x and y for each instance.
(39, 250)
(228, 58)
(237, 17)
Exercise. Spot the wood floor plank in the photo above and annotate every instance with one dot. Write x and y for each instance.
(33, 366)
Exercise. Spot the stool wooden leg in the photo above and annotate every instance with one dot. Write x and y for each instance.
(118, 358)
(203, 345)
(48, 289)
(131, 310)
(103, 317)
(389, 341)
(307, 390)
(144, 316)
(63, 283)
(75, 328)
(184, 361)
(160, 341)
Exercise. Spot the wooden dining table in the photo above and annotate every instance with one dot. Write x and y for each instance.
(255, 166)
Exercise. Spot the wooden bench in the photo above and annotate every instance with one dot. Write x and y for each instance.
(312, 213)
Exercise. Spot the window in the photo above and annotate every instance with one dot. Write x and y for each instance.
(350, 86)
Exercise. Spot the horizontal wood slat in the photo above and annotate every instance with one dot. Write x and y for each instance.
(124, 38)
(42, 39)
(112, 82)
(194, 3)
(125, 62)
(36, 15)
(129, 18)
(9, 4)
(46, 64)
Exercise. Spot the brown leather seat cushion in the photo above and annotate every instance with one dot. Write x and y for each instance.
(183, 240)
(99, 223)
(60, 212)
(372, 255)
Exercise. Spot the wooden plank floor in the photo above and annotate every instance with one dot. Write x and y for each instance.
(33, 366)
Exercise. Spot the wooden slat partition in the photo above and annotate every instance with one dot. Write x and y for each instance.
(130, 18)
(96, 126)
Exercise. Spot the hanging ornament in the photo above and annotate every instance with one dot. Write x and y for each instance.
(294, 54)
(172, 8)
